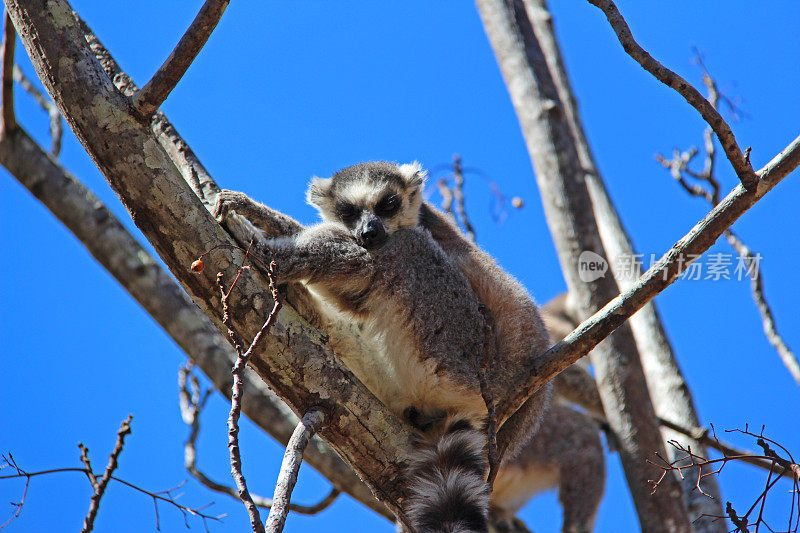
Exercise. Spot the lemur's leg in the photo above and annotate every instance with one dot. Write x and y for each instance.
(580, 489)
(271, 222)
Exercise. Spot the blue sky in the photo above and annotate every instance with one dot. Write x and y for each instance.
(284, 91)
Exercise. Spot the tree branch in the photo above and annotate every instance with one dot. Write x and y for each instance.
(678, 166)
(238, 386)
(9, 44)
(658, 277)
(156, 496)
(669, 391)
(704, 436)
(290, 467)
(739, 161)
(153, 94)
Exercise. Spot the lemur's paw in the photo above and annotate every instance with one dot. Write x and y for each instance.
(228, 201)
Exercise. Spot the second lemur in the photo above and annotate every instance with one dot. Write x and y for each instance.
(394, 281)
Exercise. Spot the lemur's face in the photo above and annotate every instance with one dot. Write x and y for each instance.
(372, 200)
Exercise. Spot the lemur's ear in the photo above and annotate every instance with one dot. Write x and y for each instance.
(318, 191)
(413, 174)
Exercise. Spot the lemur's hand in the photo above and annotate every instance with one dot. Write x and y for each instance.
(228, 201)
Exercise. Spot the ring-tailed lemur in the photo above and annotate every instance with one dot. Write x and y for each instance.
(399, 288)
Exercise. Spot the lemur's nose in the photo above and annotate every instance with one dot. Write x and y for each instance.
(373, 234)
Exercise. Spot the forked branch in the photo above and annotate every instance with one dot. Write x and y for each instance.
(191, 405)
(101, 484)
(152, 95)
(693, 181)
(657, 278)
(741, 163)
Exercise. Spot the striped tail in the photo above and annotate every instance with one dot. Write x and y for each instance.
(447, 489)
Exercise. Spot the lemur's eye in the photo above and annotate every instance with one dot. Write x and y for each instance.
(388, 205)
(347, 212)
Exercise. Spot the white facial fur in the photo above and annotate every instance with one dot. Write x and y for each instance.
(366, 193)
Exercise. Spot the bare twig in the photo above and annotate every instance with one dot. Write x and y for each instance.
(10, 462)
(162, 496)
(455, 194)
(152, 95)
(679, 166)
(290, 467)
(447, 198)
(56, 130)
(495, 456)
(191, 404)
(88, 464)
(788, 357)
(658, 277)
(458, 193)
(740, 163)
(237, 389)
(102, 483)
(9, 44)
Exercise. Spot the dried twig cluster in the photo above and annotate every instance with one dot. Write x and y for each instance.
(782, 465)
(100, 483)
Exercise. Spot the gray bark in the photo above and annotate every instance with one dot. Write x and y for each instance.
(124, 258)
(294, 359)
(568, 209)
(669, 391)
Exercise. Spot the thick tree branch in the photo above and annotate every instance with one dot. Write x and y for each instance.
(741, 163)
(568, 210)
(152, 95)
(290, 468)
(294, 359)
(123, 257)
(669, 391)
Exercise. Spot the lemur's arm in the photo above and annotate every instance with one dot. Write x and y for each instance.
(271, 222)
(319, 254)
